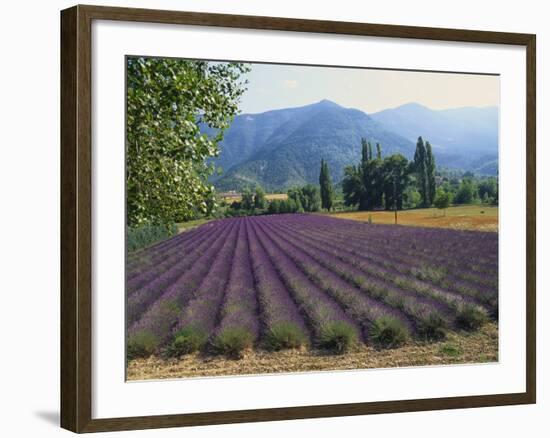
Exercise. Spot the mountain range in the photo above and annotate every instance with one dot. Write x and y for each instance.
(283, 148)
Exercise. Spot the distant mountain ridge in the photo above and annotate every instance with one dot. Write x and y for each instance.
(460, 136)
(282, 148)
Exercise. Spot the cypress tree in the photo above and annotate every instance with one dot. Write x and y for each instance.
(325, 184)
(421, 171)
(364, 152)
(378, 151)
(430, 173)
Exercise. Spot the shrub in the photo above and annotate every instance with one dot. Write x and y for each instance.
(284, 335)
(432, 327)
(470, 317)
(388, 332)
(140, 344)
(232, 341)
(337, 337)
(145, 235)
(187, 340)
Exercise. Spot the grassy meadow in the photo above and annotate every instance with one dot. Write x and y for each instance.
(463, 217)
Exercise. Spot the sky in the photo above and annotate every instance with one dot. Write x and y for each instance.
(275, 86)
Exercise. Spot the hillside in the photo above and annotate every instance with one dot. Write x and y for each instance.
(282, 148)
(464, 138)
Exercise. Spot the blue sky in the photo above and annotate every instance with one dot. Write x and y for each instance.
(273, 86)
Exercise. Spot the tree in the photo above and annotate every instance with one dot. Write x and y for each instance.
(325, 183)
(466, 193)
(488, 190)
(443, 200)
(166, 165)
(396, 179)
(430, 173)
(259, 198)
(421, 171)
(352, 186)
(365, 184)
(247, 200)
(307, 197)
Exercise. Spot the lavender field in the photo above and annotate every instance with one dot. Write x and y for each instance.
(276, 282)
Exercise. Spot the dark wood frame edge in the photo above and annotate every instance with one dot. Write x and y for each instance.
(76, 342)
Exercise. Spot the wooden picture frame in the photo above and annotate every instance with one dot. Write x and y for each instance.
(76, 217)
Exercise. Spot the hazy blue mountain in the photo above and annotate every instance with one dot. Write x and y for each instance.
(283, 148)
(460, 137)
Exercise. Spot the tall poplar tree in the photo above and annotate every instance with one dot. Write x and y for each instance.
(430, 173)
(421, 171)
(325, 183)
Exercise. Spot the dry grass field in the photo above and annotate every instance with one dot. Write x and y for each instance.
(269, 196)
(468, 217)
(462, 347)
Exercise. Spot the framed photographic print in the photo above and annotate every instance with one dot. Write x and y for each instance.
(268, 218)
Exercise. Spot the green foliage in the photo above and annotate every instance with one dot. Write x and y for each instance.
(274, 207)
(488, 190)
(432, 327)
(411, 197)
(395, 170)
(145, 235)
(353, 187)
(233, 341)
(443, 199)
(166, 165)
(376, 182)
(430, 173)
(424, 167)
(247, 200)
(141, 344)
(388, 332)
(306, 197)
(467, 192)
(259, 198)
(325, 183)
(187, 340)
(337, 337)
(451, 350)
(470, 317)
(283, 336)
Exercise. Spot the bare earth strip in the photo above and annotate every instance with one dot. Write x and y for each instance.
(458, 348)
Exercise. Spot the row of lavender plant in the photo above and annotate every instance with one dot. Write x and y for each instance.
(430, 316)
(431, 252)
(139, 301)
(422, 242)
(239, 326)
(399, 273)
(174, 263)
(456, 302)
(331, 327)
(282, 324)
(390, 258)
(198, 319)
(393, 252)
(177, 245)
(373, 315)
(154, 328)
(135, 257)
